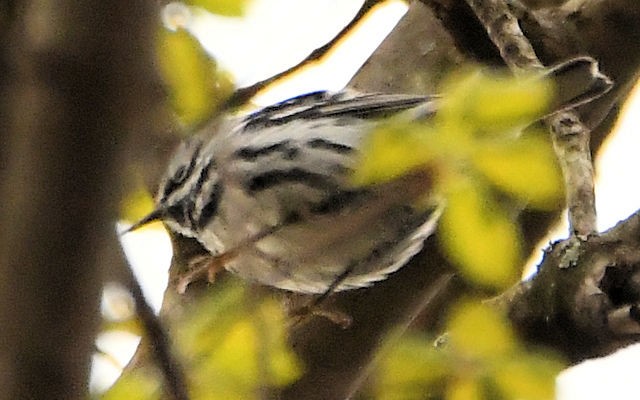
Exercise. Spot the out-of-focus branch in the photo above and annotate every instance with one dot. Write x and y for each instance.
(76, 77)
(158, 341)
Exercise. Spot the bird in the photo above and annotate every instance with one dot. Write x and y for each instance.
(269, 194)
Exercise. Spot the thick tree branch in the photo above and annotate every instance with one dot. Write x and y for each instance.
(589, 308)
(76, 77)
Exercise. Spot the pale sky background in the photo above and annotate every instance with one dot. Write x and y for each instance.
(276, 34)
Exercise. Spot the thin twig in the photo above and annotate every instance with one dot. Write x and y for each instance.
(426, 300)
(242, 95)
(569, 135)
(175, 380)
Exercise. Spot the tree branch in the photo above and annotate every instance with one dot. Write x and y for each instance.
(590, 308)
(569, 135)
(158, 343)
(242, 95)
(71, 92)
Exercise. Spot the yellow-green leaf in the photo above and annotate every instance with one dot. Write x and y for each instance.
(233, 349)
(392, 150)
(196, 85)
(230, 345)
(528, 376)
(229, 8)
(494, 103)
(136, 205)
(410, 367)
(466, 388)
(477, 331)
(525, 168)
(479, 237)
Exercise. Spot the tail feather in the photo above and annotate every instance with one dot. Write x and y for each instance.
(578, 81)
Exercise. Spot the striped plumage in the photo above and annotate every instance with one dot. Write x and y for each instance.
(271, 190)
(274, 188)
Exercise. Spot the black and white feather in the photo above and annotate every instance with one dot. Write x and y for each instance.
(274, 188)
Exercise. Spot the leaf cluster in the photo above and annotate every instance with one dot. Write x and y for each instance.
(478, 358)
(481, 164)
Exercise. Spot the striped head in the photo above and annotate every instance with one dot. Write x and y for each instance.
(189, 178)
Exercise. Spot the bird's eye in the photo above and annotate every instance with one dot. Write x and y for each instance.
(180, 175)
(176, 180)
(185, 160)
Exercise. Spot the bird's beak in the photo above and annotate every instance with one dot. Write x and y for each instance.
(155, 215)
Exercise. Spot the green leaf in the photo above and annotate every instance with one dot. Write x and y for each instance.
(391, 150)
(196, 85)
(480, 332)
(229, 8)
(410, 367)
(466, 388)
(479, 237)
(525, 168)
(231, 343)
(234, 348)
(136, 205)
(493, 102)
(481, 359)
(528, 376)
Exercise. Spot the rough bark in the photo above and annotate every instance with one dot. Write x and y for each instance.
(584, 300)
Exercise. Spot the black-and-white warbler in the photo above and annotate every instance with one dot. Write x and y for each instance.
(271, 190)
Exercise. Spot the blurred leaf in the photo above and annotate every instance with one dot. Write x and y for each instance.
(233, 349)
(479, 237)
(529, 377)
(196, 86)
(494, 102)
(141, 384)
(479, 331)
(481, 359)
(411, 367)
(473, 103)
(465, 389)
(136, 205)
(525, 168)
(230, 344)
(229, 8)
(477, 233)
(391, 150)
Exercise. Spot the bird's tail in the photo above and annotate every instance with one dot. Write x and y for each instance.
(578, 81)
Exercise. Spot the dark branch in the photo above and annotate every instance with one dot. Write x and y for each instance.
(241, 96)
(71, 93)
(589, 308)
(159, 343)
